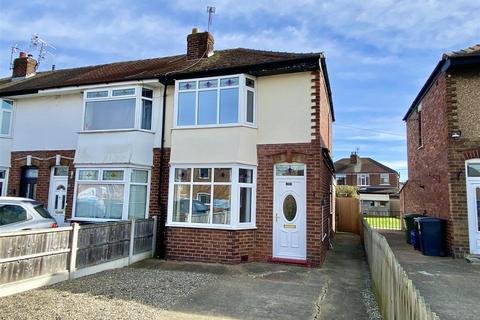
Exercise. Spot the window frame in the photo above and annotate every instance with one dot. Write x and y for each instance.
(4, 181)
(11, 112)
(361, 176)
(382, 175)
(138, 96)
(341, 176)
(126, 182)
(242, 102)
(235, 186)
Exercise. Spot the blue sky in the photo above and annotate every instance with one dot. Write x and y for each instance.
(379, 52)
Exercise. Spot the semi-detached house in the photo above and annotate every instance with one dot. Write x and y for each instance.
(230, 148)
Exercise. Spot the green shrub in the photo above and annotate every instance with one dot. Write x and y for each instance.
(347, 191)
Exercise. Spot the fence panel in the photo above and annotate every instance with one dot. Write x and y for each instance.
(395, 292)
(28, 254)
(348, 210)
(100, 243)
(144, 235)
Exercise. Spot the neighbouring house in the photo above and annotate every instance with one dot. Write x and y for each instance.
(377, 184)
(443, 140)
(230, 148)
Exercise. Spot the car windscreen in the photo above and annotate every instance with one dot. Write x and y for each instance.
(42, 211)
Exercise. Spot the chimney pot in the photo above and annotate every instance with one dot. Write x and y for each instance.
(199, 45)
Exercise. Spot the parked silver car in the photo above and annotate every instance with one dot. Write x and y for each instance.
(18, 214)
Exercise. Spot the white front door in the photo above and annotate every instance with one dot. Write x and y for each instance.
(289, 213)
(474, 216)
(57, 200)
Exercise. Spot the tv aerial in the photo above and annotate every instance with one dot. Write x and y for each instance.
(42, 46)
(211, 12)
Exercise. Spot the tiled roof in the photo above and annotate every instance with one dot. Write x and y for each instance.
(470, 51)
(364, 165)
(174, 66)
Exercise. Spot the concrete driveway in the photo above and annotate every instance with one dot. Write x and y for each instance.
(155, 289)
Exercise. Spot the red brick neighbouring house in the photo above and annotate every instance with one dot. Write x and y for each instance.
(443, 141)
(230, 148)
(377, 184)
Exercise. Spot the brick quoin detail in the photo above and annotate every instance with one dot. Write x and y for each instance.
(18, 160)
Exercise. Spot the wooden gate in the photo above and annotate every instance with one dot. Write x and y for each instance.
(348, 213)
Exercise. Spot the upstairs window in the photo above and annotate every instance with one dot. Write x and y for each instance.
(215, 101)
(384, 178)
(341, 179)
(117, 108)
(6, 116)
(363, 179)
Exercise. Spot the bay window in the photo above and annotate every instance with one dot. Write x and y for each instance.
(215, 101)
(6, 117)
(111, 194)
(118, 108)
(212, 196)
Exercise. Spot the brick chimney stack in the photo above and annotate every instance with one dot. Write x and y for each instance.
(353, 158)
(199, 45)
(24, 66)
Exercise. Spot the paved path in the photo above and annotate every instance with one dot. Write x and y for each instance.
(157, 289)
(450, 286)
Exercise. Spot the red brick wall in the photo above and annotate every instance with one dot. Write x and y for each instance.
(427, 190)
(44, 171)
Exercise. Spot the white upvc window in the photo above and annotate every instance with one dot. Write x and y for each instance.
(341, 179)
(6, 118)
(118, 108)
(218, 101)
(108, 193)
(384, 178)
(363, 179)
(212, 196)
(3, 181)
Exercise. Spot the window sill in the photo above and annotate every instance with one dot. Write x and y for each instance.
(2, 136)
(215, 126)
(217, 227)
(115, 130)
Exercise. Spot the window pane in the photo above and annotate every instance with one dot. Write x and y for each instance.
(3, 174)
(202, 175)
(1, 188)
(186, 108)
(228, 82)
(31, 173)
(245, 205)
(245, 176)
(250, 106)
(205, 84)
(223, 175)
(137, 205)
(181, 203)
(102, 201)
(42, 211)
(201, 204)
(113, 175)
(182, 175)
(147, 93)
(7, 105)
(5, 125)
(60, 171)
(11, 214)
(290, 170)
(88, 175)
(221, 205)
(207, 107)
(139, 176)
(229, 105)
(187, 85)
(97, 94)
(474, 170)
(250, 83)
(123, 92)
(146, 114)
(110, 114)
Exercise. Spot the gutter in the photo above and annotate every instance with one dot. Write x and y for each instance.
(161, 248)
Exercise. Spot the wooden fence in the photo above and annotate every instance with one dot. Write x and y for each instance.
(348, 213)
(395, 292)
(34, 258)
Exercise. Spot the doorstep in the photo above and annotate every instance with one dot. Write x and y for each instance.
(473, 258)
(300, 262)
